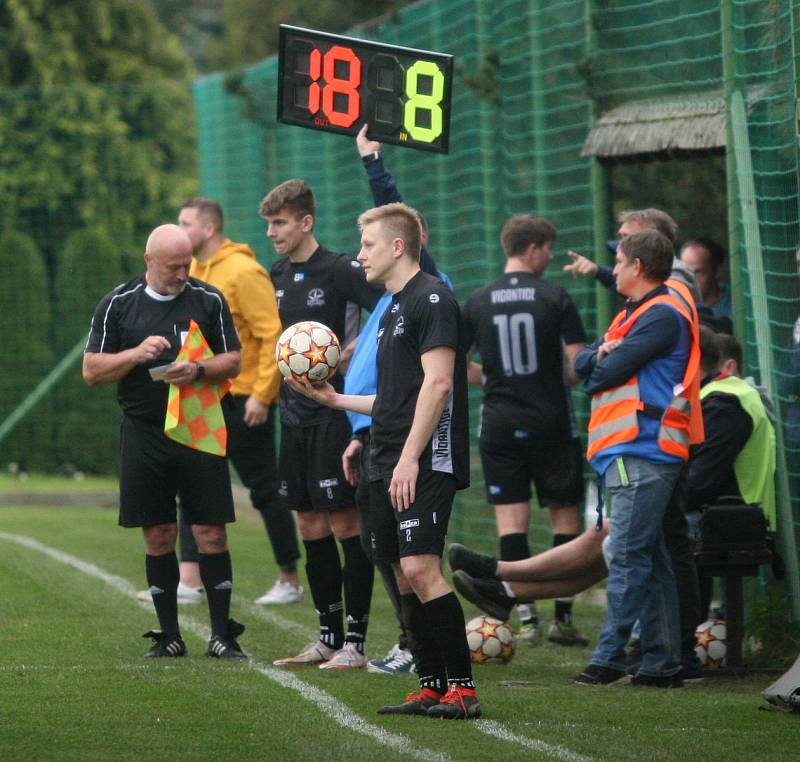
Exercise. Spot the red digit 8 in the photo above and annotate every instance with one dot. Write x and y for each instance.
(347, 87)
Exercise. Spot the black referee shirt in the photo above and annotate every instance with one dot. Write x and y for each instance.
(318, 289)
(422, 316)
(131, 312)
(517, 324)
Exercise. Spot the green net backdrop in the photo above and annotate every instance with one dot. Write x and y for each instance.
(531, 78)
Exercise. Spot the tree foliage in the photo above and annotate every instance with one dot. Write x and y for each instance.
(226, 35)
(27, 350)
(86, 424)
(97, 129)
(96, 112)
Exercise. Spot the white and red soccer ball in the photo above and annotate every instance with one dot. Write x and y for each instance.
(489, 640)
(308, 350)
(711, 645)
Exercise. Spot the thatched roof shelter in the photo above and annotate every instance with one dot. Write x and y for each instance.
(693, 123)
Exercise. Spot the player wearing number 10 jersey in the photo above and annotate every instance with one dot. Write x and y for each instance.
(522, 327)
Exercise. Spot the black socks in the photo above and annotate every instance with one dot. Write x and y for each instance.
(358, 576)
(424, 646)
(217, 575)
(446, 620)
(163, 577)
(324, 572)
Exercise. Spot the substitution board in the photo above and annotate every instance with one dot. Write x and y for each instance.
(336, 83)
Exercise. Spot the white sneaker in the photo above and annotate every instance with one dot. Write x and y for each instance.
(282, 592)
(347, 657)
(313, 653)
(186, 594)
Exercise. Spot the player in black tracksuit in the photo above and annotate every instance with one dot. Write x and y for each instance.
(312, 283)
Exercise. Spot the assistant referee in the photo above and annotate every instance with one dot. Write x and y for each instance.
(140, 325)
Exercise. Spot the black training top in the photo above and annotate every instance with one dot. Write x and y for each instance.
(318, 289)
(517, 324)
(422, 316)
(131, 312)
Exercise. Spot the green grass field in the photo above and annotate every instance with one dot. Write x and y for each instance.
(74, 685)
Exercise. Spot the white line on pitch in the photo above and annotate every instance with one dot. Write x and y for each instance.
(260, 612)
(320, 698)
(323, 700)
(492, 728)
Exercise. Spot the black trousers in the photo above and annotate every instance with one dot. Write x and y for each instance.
(681, 551)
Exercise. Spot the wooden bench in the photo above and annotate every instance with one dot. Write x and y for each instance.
(733, 563)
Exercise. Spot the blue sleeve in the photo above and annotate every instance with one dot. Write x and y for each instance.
(655, 333)
(606, 276)
(586, 358)
(384, 191)
(381, 183)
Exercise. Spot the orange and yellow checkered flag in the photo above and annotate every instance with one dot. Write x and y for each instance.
(194, 414)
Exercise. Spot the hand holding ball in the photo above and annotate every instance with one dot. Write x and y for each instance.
(308, 350)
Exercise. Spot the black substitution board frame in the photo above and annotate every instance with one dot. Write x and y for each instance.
(382, 99)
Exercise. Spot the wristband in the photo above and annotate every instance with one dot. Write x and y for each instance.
(370, 157)
(201, 371)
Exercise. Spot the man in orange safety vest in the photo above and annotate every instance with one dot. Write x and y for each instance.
(643, 378)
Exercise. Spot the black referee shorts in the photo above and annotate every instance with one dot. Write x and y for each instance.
(310, 466)
(510, 467)
(420, 530)
(154, 469)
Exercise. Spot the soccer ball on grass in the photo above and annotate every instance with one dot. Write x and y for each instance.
(489, 640)
(711, 645)
(308, 350)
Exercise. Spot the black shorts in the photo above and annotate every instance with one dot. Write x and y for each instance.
(154, 469)
(556, 470)
(310, 466)
(418, 531)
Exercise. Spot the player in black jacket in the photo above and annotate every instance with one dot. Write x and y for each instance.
(312, 283)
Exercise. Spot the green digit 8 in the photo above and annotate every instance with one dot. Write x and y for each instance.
(417, 100)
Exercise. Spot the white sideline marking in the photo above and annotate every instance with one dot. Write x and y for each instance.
(262, 612)
(492, 728)
(323, 700)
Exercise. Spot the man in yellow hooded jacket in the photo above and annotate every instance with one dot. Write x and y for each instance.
(250, 407)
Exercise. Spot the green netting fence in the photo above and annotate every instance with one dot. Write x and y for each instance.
(532, 79)
(693, 101)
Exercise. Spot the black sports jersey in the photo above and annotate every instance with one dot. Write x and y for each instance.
(131, 312)
(517, 324)
(318, 289)
(422, 316)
